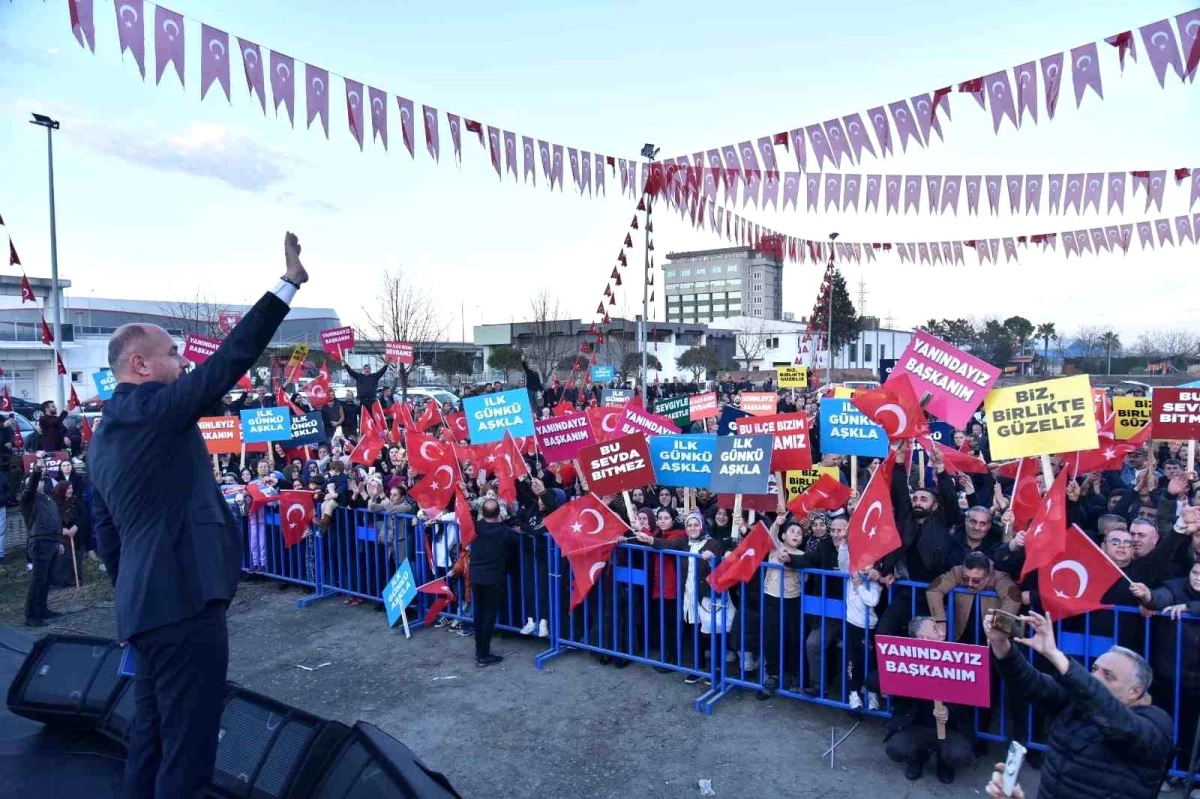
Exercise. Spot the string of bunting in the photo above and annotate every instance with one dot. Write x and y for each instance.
(916, 118)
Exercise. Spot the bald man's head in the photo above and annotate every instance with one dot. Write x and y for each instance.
(140, 353)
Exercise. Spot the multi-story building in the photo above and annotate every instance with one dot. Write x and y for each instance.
(733, 281)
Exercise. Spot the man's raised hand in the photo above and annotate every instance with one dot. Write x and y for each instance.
(291, 253)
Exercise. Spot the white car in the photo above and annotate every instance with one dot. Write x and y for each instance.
(424, 394)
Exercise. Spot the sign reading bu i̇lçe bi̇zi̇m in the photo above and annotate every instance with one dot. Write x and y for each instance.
(1041, 418)
(400, 352)
(790, 431)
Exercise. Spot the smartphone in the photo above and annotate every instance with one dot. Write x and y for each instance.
(1012, 767)
(1007, 623)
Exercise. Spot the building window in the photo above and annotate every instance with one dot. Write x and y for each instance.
(735, 307)
(76, 377)
(733, 295)
(700, 271)
(703, 296)
(882, 351)
(718, 307)
(854, 352)
(773, 343)
(673, 300)
(685, 273)
(683, 286)
(702, 309)
(716, 284)
(670, 273)
(689, 320)
(731, 269)
(689, 298)
(867, 353)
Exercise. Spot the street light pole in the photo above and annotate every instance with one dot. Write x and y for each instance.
(829, 271)
(52, 125)
(648, 152)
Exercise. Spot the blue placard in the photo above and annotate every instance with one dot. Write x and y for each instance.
(742, 464)
(942, 433)
(106, 383)
(307, 429)
(266, 424)
(489, 416)
(612, 397)
(128, 665)
(400, 591)
(845, 430)
(684, 461)
(886, 365)
(727, 424)
(603, 374)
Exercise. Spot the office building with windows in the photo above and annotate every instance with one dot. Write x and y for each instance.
(712, 284)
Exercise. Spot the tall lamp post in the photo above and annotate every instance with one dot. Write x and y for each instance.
(52, 125)
(829, 270)
(648, 152)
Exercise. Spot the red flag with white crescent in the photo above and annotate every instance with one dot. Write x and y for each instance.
(872, 533)
(73, 401)
(432, 416)
(47, 336)
(464, 517)
(1075, 580)
(318, 391)
(444, 595)
(296, 514)
(740, 565)
(894, 407)
(85, 431)
(1047, 534)
(6, 401)
(456, 423)
(426, 453)
(26, 291)
(368, 449)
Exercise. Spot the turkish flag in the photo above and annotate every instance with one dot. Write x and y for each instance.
(605, 420)
(318, 390)
(282, 400)
(73, 401)
(872, 533)
(433, 492)
(432, 416)
(894, 407)
(456, 423)
(584, 525)
(517, 464)
(956, 462)
(18, 440)
(366, 423)
(1013, 468)
(261, 495)
(62, 367)
(6, 402)
(1047, 533)
(564, 408)
(1076, 580)
(85, 431)
(827, 493)
(742, 563)
(444, 595)
(47, 336)
(244, 383)
(378, 417)
(368, 449)
(26, 291)
(404, 415)
(466, 520)
(1025, 498)
(397, 433)
(296, 514)
(426, 453)
(1108, 457)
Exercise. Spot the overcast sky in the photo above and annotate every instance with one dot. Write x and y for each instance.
(160, 194)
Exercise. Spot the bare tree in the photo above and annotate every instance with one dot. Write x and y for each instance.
(406, 312)
(200, 314)
(551, 337)
(751, 336)
(1167, 344)
(1090, 340)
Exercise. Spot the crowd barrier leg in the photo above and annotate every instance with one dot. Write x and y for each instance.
(554, 645)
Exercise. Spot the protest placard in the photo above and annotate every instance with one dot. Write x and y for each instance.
(610, 397)
(306, 430)
(636, 420)
(222, 434)
(685, 461)
(337, 341)
(266, 424)
(1041, 418)
(1102, 403)
(199, 349)
(845, 430)
(1176, 414)
(399, 593)
(52, 460)
(759, 403)
(400, 352)
(561, 437)
(955, 381)
(764, 503)
(106, 383)
(934, 670)
(727, 424)
(842, 392)
(704, 406)
(742, 464)
(677, 409)
(799, 480)
(792, 376)
(490, 415)
(792, 448)
(603, 374)
(295, 361)
(617, 465)
(942, 433)
(886, 365)
(1132, 414)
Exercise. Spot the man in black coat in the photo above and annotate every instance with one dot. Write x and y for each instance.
(1106, 738)
(171, 546)
(489, 566)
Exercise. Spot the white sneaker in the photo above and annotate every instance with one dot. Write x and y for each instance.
(872, 701)
(855, 701)
(543, 629)
(528, 628)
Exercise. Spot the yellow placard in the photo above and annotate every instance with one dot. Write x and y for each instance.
(299, 353)
(792, 376)
(800, 479)
(841, 392)
(1041, 418)
(1132, 414)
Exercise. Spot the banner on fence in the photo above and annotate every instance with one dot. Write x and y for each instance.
(222, 434)
(617, 465)
(790, 430)
(934, 670)
(561, 437)
(845, 430)
(684, 461)
(399, 593)
(742, 464)
(266, 424)
(955, 381)
(1176, 414)
(1041, 418)
(490, 415)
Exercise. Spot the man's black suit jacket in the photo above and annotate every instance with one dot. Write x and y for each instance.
(163, 529)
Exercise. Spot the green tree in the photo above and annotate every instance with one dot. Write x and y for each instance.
(631, 364)
(698, 361)
(846, 321)
(1046, 333)
(1019, 329)
(505, 359)
(1111, 342)
(993, 343)
(454, 363)
(936, 327)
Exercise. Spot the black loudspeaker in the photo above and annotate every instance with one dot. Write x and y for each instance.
(115, 725)
(67, 681)
(372, 764)
(269, 750)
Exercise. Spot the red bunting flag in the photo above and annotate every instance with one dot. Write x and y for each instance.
(740, 565)
(47, 336)
(13, 260)
(296, 511)
(73, 400)
(62, 367)
(26, 291)
(828, 493)
(1076, 580)
(872, 533)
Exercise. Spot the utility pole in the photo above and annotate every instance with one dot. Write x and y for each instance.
(648, 152)
(829, 270)
(52, 125)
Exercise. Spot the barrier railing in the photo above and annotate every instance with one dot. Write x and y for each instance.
(264, 552)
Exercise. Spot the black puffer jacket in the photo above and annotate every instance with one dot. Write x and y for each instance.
(1099, 748)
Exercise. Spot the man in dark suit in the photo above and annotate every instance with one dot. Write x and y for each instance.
(489, 565)
(169, 542)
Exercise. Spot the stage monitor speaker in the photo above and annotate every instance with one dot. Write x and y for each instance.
(115, 725)
(269, 750)
(372, 764)
(67, 681)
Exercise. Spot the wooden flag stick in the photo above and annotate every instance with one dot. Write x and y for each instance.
(737, 511)
(582, 477)
(632, 514)
(1017, 482)
(216, 467)
(74, 560)
(921, 466)
(1191, 465)
(853, 472)
(941, 725)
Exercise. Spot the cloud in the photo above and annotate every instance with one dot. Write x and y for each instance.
(320, 205)
(226, 154)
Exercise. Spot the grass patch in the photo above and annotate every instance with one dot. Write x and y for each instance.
(96, 590)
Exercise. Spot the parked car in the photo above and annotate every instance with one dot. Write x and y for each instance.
(29, 433)
(425, 393)
(30, 410)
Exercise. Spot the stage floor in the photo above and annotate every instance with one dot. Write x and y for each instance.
(36, 762)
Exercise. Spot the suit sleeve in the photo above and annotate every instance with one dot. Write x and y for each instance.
(107, 540)
(181, 403)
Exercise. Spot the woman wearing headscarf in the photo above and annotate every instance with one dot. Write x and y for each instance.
(75, 525)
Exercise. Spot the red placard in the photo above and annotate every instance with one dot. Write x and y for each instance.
(638, 420)
(617, 465)
(53, 460)
(704, 406)
(935, 670)
(199, 349)
(1175, 414)
(759, 403)
(562, 437)
(398, 352)
(792, 446)
(337, 340)
(222, 434)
